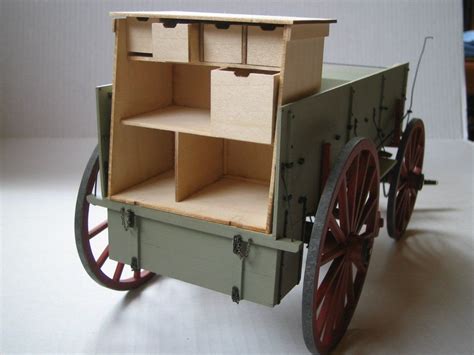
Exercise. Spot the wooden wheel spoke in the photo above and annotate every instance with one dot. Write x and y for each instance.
(334, 312)
(352, 191)
(402, 185)
(368, 209)
(400, 200)
(332, 254)
(366, 235)
(362, 192)
(340, 305)
(97, 229)
(359, 264)
(118, 271)
(103, 257)
(409, 155)
(336, 230)
(403, 214)
(418, 156)
(363, 197)
(350, 288)
(328, 280)
(325, 309)
(344, 208)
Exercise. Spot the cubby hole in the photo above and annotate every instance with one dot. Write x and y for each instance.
(181, 103)
(218, 180)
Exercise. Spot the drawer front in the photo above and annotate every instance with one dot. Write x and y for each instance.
(243, 104)
(139, 35)
(175, 44)
(264, 47)
(222, 45)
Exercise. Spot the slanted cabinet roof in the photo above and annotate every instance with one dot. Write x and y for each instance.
(210, 16)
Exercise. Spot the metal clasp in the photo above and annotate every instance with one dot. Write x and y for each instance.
(128, 218)
(238, 247)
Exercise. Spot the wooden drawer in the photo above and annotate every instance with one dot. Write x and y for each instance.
(139, 35)
(175, 44)
(264, 46)
(222, 45)
(243, 104)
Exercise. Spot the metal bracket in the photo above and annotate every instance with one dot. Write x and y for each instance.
(134, 264)
(128, 218)
(235, 294)
(237, 246)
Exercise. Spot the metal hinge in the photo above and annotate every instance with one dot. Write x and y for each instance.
(238, 247)
(235, 294)
(128, 218)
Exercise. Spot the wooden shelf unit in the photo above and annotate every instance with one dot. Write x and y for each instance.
(215, 179)
(165, 153)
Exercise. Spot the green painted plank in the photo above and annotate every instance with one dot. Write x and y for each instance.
(104, 104)
(221, 230)
(196, 257)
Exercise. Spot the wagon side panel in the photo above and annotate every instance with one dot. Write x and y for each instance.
(305, 126)
(313, 130)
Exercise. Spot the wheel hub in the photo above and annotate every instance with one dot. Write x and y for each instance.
(358, 248)
(415, 180)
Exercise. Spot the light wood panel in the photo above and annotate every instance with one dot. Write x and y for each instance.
(214, 16)
(243, 104)
(248, 160)
(302, 69)
(175, 44)
(192, 85)
(228, 201)
(199, 162)
(222, 45)
(264, 47)
(139, 35)
(216, 65)
(174, 118)
(137, 154)
(309, 31)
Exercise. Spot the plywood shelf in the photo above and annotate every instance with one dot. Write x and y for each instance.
(149, 58)
(229, 200)
(174, 118)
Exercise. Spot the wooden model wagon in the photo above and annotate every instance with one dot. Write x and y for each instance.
(225, 145)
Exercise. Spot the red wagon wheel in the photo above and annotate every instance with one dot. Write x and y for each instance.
(406, 179)
(115, 277)
(346, 223)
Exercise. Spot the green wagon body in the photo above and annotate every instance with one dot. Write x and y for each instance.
(353, 101)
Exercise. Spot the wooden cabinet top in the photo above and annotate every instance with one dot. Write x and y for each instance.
(213, 17)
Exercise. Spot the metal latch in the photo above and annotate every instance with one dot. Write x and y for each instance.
(128, 218)
(235, 294)
(238, 247)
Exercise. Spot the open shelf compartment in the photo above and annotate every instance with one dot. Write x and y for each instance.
(214, 179)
